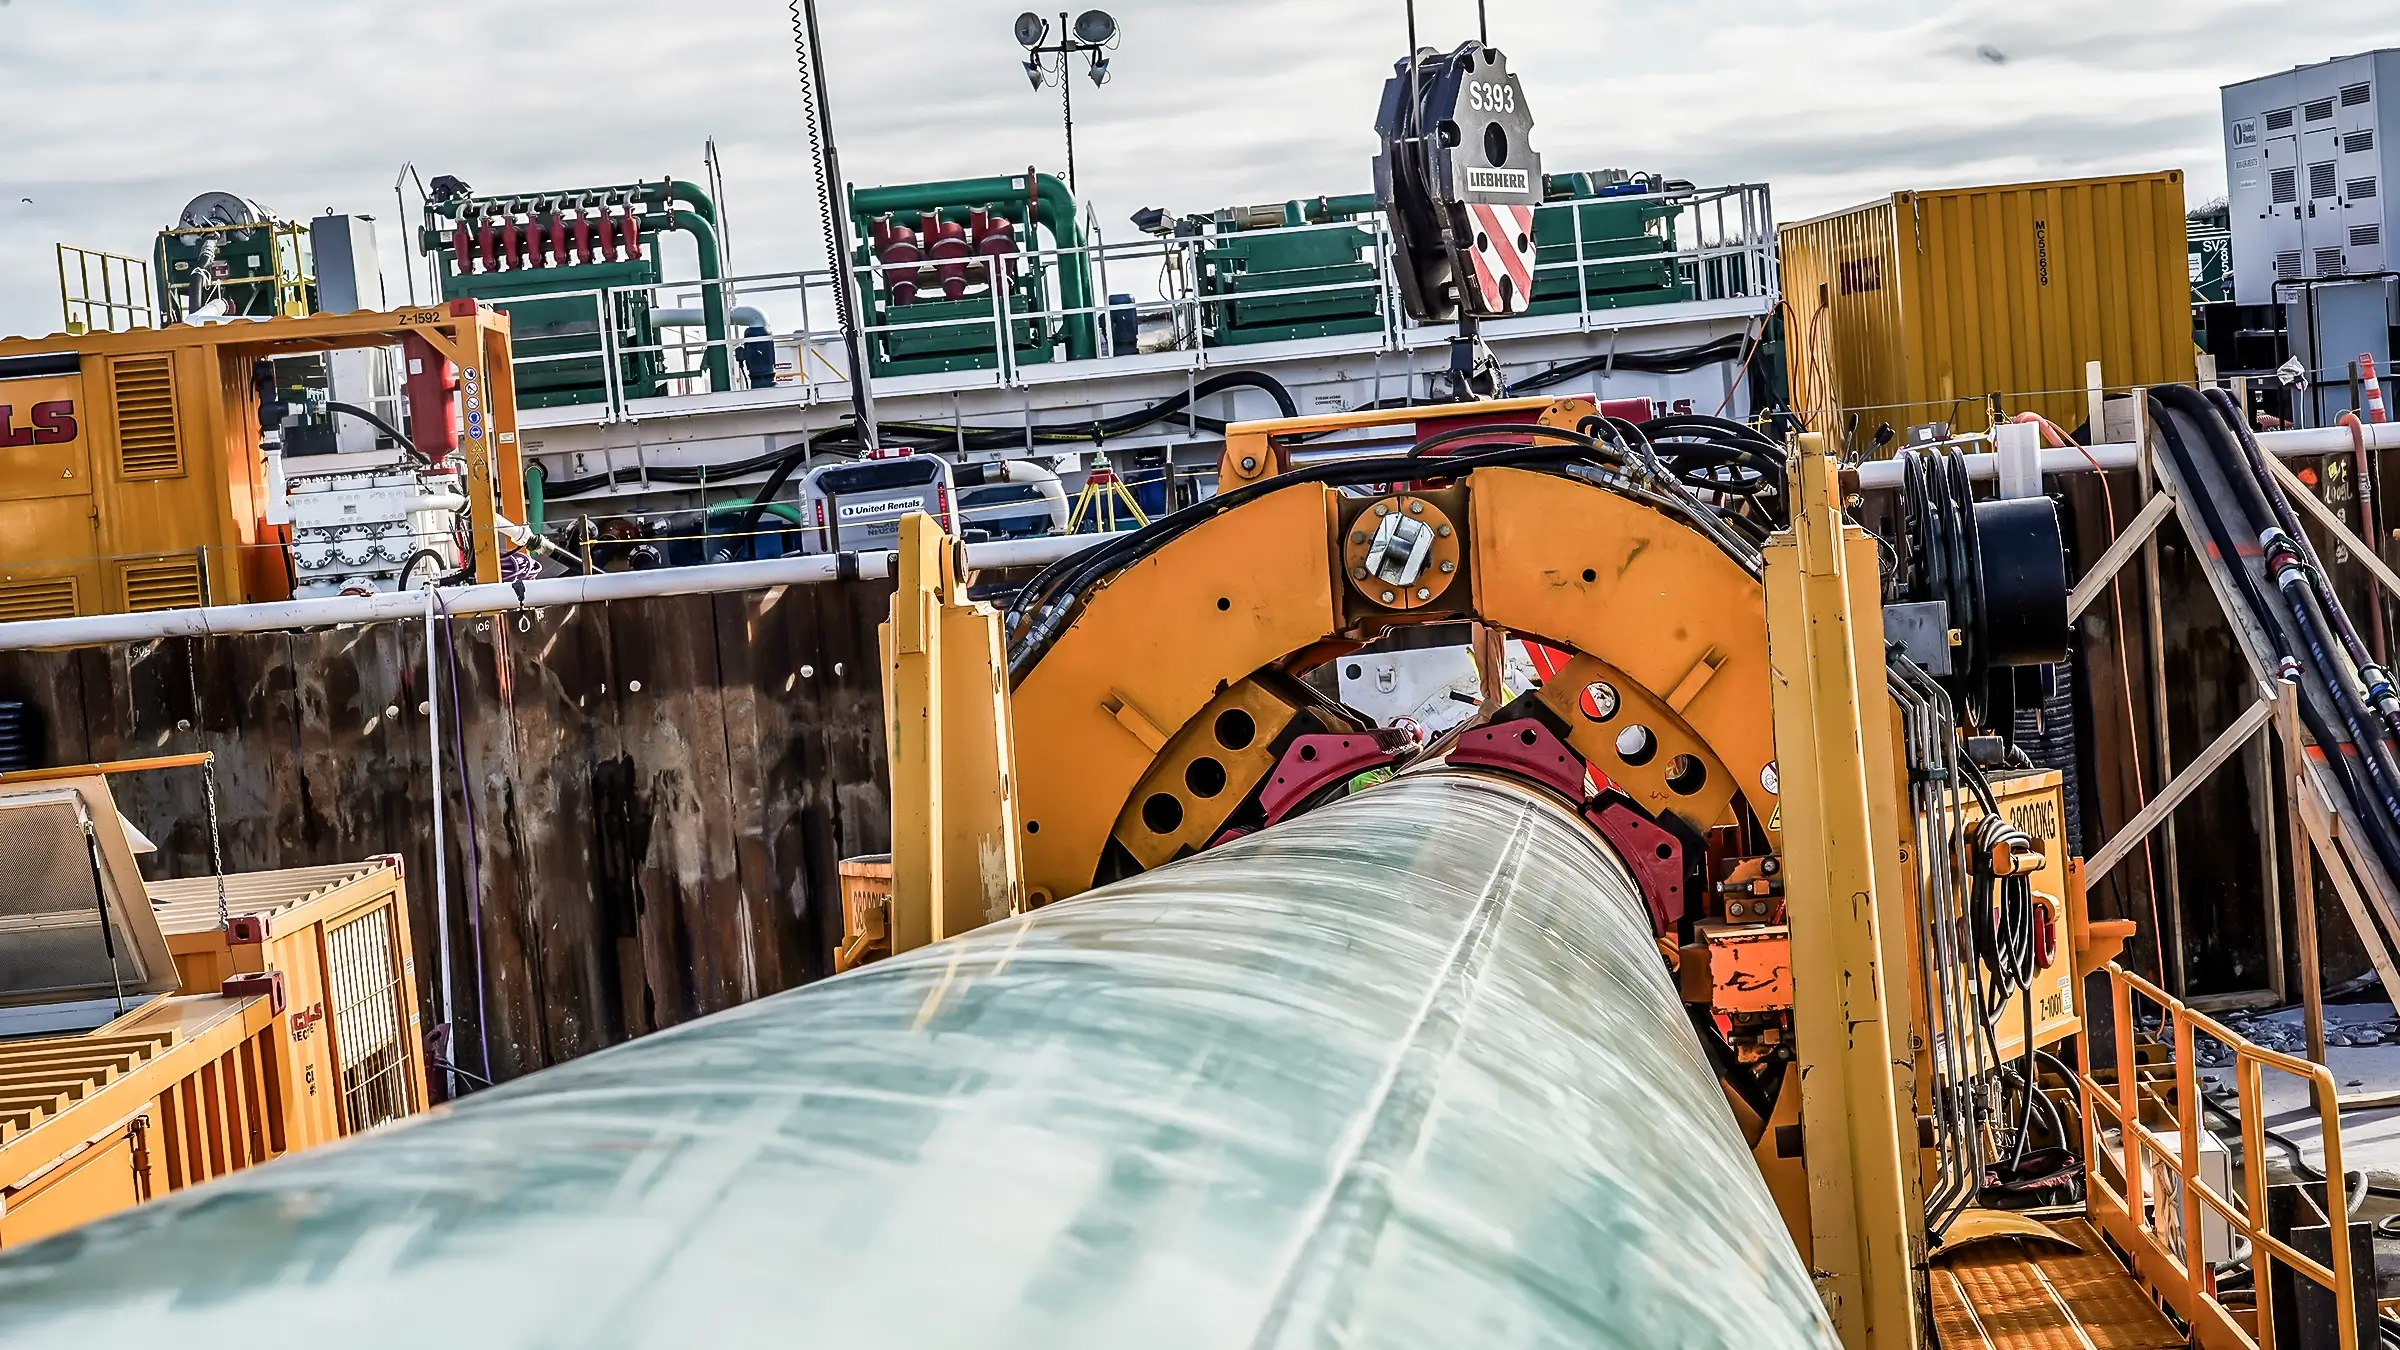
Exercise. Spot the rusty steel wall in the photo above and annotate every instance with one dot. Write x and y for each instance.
(656, 792)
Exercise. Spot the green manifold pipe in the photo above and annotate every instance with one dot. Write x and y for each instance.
(1403, 1071)
(672, 205)
(1054, 206)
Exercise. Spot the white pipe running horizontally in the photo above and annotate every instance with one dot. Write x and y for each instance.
(502, 597)
(1884, 474)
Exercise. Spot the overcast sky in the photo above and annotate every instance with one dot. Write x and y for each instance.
(113, 113)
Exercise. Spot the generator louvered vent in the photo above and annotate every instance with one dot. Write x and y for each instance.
(2366, 236)
(2287, 266)
(2283, 186)
(2320, 180)
(2279, 120)
(2329, 262)
(2319, 111)
(43, 598)
(149, 442)
(2362, 189)
(2358, 142)
(162, 583)
(2354, 94)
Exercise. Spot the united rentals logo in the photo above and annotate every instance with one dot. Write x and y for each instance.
(51, 423)
(1498, 180)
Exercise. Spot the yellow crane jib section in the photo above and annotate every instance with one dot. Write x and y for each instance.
(955, 861)
(1837, 758)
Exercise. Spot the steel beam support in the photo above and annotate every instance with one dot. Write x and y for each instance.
(955, 859)
(1827, 665)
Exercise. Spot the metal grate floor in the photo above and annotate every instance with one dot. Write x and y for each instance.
(2008, 1294)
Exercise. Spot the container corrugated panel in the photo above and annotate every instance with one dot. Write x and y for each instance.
(174, 1094)
(1920, 307)
(340, 936)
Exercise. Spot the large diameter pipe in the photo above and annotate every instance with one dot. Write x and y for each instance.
(1884, 474)
(1404, 1071)
(94, 630)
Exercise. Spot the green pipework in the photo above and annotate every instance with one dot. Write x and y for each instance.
(1054, 209)
(712, 298)
(1326, 210)
(693, 213)
(537, 483)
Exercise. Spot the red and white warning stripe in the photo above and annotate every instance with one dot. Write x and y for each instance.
(2366, 375)
(1503, 252)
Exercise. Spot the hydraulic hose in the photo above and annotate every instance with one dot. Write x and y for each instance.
(368, 417)
(2373, 678)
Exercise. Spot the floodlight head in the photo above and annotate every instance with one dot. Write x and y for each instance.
(1031, 29)
(1096, 27)
(1033, 71)
(1099, 68)
(1153, 220)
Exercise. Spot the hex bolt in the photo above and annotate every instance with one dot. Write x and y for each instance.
(1416, 508)
(1448, 566)
(1770, 866)
(1249, 464)
(1388, 597)
(1358, 573)
(1423, 594)
(1442, 530)
(1734, 910)
(1383, 508)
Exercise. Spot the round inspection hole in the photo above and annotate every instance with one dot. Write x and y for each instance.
(1033, 827)
(1162, 813)
(1235, 729)
(1598, 701)
(1665, 851)
(1224, 602)
(1495, 143)
(1637, 745)
(1308, 754)
(1590, 574)
(1687, 775)
(1528, 736)
(1205, 777)
(1355, 671)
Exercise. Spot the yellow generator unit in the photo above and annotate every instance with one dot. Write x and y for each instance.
(141, 470)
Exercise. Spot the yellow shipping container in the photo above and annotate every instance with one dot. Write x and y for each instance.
(1919, 308)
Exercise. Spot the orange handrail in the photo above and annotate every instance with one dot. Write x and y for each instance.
(2132, 1220)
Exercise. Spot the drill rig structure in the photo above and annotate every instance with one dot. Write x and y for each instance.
(1716, 993)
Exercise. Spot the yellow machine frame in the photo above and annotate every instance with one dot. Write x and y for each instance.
(139, 484)
(1775, 687)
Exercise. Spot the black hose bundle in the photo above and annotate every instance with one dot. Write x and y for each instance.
(1734, 461)
(845, 442)
(1680, 361)
(2291, 602)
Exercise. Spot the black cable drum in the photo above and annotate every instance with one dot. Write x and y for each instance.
(2022, 582)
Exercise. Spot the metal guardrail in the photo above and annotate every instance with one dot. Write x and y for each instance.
(1726, 250)
(2159, 1206)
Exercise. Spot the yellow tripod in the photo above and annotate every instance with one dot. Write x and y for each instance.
(1101, 499)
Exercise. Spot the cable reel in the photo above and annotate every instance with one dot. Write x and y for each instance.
(1998, 568)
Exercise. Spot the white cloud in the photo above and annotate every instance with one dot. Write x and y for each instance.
(117, 111)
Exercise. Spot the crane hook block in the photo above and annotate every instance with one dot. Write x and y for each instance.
(1459, 180)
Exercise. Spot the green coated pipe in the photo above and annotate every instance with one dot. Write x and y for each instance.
(1403, 1071)
(1055, 210)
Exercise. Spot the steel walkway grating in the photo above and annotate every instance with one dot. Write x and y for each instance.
(2008, 1294)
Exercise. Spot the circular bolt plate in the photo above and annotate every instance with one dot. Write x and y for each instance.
(1441, 560)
